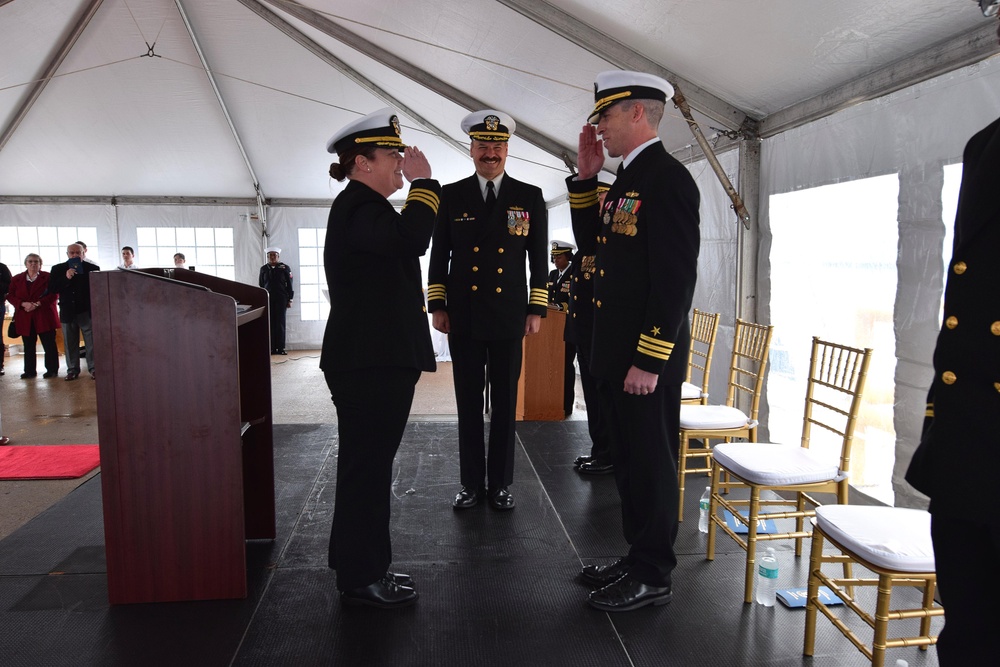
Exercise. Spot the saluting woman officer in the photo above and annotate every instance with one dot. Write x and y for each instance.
(376, 343)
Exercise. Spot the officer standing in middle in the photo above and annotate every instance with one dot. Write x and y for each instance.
(478, 294)
(560, 279)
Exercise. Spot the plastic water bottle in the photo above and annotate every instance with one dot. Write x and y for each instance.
(767, 578)
(703, 506)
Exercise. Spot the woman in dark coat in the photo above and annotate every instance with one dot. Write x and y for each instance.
(377, 342)
(35, 316)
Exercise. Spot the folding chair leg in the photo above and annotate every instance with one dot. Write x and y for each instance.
(881, 620)
(815, 563)
(748, 577)
(681, 474)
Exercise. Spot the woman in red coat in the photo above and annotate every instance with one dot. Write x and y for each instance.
(35, 315)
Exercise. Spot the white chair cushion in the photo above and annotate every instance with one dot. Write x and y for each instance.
(689, 391)
(895, 538)
(774, 465)
(711, 417)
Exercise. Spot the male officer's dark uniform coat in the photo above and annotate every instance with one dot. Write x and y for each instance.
(957, 460)
(477, 274)
(646, 243)
(559, 286)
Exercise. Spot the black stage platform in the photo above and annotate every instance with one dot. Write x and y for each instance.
(495, 588)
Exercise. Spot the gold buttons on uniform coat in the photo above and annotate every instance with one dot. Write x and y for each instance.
(474, 288)
(499, 290)
(598, 304)
(960, 267)
(996, 385)
(602, 273)
(499, 270)
(995, 328)
(500, 250)
(475, 249)
(948, 377)
(475, 268)
(951, 322)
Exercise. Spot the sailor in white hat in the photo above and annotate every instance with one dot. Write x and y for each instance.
(645, 240)
(481, 296)
(276, 278)
(559, 278)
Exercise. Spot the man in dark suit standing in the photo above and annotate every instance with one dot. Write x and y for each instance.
(276, 278)
(959, 451)
(5, 278)
(71, 280)
(478, 293)
(645, 239)
(560, 279)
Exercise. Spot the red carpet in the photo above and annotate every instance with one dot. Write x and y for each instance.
(48, 461)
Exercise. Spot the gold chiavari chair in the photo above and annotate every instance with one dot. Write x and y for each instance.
(704, 327)
(892, 543)
(837, 376)
(703, 423)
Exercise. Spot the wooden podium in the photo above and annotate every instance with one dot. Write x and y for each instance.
(540, 387)
(184, 418)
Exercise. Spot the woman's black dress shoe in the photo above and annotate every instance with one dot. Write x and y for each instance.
(384, 594)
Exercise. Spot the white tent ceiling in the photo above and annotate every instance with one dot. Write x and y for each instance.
(113, 122)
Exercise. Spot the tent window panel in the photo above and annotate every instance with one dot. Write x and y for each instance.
(17, 242)
(208, 249)
(313, 297)
(145, 237)
(166, 236)
(186, 237)
(833, 275)
(949, 207)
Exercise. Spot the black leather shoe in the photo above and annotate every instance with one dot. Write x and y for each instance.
(596, 467)
(468, 497)
(580, 460)
(72, 375)
(627, 594)
(50, 374)
(282, 352)
(28, 376)
(500, 499)
(384, 593)
(400, 579)
(602, 575)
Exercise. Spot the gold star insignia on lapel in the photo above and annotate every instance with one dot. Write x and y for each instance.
(656, 331)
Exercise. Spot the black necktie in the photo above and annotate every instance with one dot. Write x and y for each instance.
(621, 168)
(491, 196)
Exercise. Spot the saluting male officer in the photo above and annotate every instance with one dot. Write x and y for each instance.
(963, 413)
(276, 278)
(645, 240)
(580, 332)
(479, 295)
(558, 285)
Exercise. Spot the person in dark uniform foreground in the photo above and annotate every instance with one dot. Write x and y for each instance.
(959, 450)
(479, 295)
(558, 284)
(376, 343)
(580, 331)
(645, 240)
(276, 278)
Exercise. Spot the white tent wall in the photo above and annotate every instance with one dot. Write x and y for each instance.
(912, 133)
(283, 226)
(103, 249)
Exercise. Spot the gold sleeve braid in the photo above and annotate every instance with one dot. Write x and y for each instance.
(659, 349)
(428, 197)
